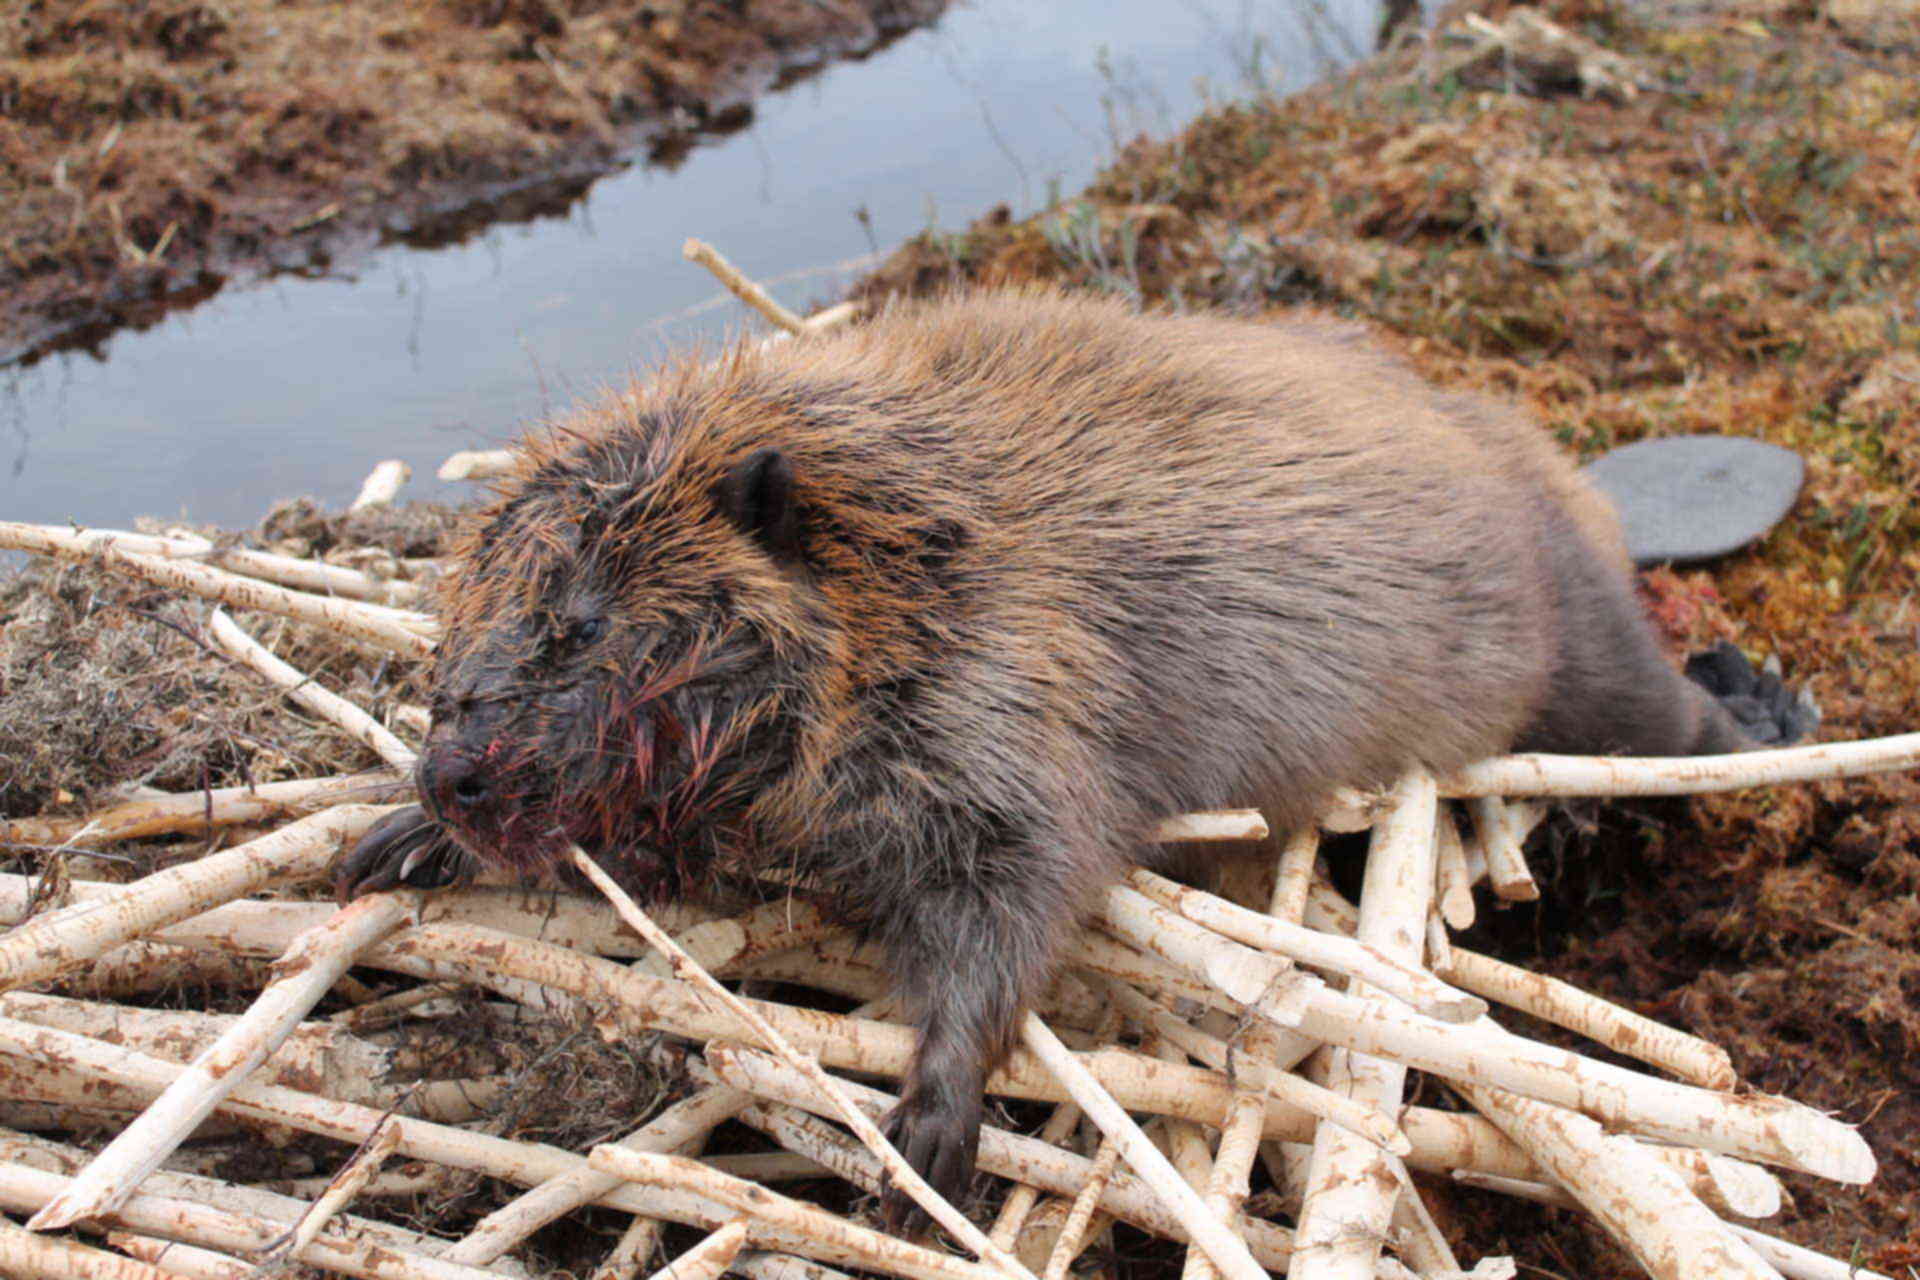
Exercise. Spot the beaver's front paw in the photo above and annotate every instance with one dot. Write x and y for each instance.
(939, 1134)
(404, 850)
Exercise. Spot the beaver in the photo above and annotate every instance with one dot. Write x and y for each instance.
(942, 613)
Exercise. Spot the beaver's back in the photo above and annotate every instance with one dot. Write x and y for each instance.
(1234, 560)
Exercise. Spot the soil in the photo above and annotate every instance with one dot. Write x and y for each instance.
(151, 149)
(1721, 234)
(1714, 228)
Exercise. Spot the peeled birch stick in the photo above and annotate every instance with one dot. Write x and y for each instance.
(282, 1210)
(1224, 1249)
(365, 623)
(1072, 1237)
(316, 698)
(1267, 1070)
(341, 1190)
(1028, 1161)
(742, 288)
(1792, 1260)
(1441, 1140)
(882, 1252)
(1351, 1186)
(382, 485)
(1547, 775)
(1232, 1163)
(522, 1162)
(1501, 840)
(1020, 1201)
(59, 940)
(902, 1174)
(321, 1054)
(1757, 1127)
(181, 1260)
(476, 464)
(23, 1189)
(708, 1259)
(1345, 956)
(310, 575)
(1219, 824)
(1641, 1202)
(1622, 1030)
(1231, 973)
(31, 1257)
(1453, 882)
(309, 969)
(519, 1218)
(199, 811)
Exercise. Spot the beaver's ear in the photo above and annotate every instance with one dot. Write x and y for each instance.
(757, 495)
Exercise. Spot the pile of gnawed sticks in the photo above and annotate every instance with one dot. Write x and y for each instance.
(1280, 1026)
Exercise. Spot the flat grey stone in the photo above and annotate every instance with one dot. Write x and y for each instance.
(1690, 498)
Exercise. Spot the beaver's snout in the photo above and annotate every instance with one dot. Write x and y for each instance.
(453, 781)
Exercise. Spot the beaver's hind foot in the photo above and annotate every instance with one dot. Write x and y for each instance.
(1766, 710)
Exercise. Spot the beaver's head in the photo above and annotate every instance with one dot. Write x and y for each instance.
(622, 657)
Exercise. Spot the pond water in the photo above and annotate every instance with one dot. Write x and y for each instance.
(299, 386)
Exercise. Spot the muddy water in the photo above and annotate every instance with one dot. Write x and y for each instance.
(298, 386)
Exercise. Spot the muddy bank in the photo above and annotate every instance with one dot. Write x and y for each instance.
(1707, 221)
(152, 150)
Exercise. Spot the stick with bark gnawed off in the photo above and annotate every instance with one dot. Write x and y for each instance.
(1641, 1202)
(875, 1249)
(903, 1176)
(60, 940)
(1030, 1162)
(311, 966)
(199, 811)
(1792, 1260)
(1345, 956)
(375, 625)
(23, 1189)
(1351, 1187)
(323, 702)
(1622, 1030)
(1546, 775)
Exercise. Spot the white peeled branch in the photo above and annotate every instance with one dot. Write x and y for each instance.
(382, 485)
(1345, 956)
(1352, 1186)
(316, 698)
(311, 966)
(1549, 775)
(1642, 1203)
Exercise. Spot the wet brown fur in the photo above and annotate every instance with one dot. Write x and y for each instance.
(1023, 575)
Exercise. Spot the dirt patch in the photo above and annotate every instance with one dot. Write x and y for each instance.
(151, 149)
(1720, 234)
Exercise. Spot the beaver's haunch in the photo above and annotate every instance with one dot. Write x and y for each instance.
(942, 613)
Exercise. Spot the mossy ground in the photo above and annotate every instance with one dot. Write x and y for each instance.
(1732, 249)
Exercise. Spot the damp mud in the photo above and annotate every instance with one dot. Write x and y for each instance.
(151, 151)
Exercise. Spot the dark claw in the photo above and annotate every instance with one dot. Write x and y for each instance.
(404, 850)
(1758, 700)
(940, 1140)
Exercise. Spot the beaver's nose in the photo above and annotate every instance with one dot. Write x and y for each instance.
(454, 780)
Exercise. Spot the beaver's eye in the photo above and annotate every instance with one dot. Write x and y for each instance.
(587, 630)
